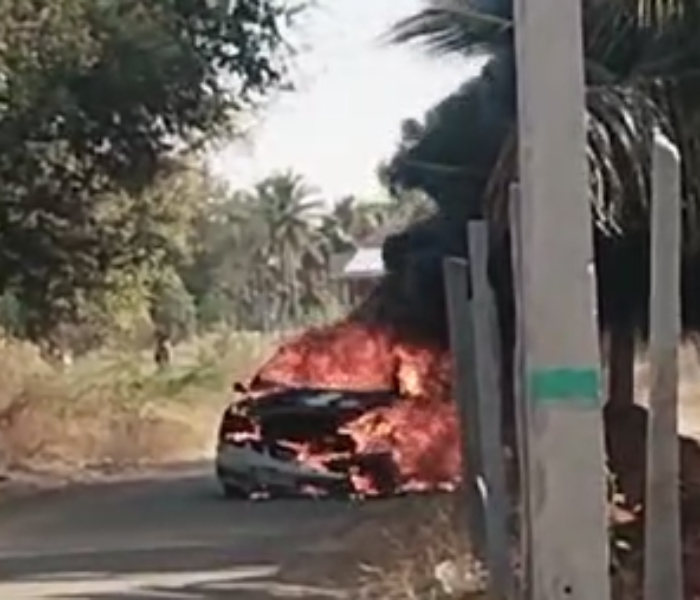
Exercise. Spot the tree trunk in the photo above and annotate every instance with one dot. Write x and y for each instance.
(162, 352)
(620, 357)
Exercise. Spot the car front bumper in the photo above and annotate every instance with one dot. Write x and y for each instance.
(251, 470)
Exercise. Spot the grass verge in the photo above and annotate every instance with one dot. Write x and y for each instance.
(114, 410)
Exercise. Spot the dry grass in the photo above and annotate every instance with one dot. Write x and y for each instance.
(113, 410)
(391, 550)
(689, 389)
(415, 539)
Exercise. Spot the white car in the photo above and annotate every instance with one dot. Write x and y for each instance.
(260, 436)
(249, 467)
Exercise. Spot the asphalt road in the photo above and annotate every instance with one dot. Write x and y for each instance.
(170, 536)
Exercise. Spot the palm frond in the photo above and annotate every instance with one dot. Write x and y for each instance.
(456, 26)
(625, 39)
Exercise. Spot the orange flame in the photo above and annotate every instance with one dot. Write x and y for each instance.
(419, 433)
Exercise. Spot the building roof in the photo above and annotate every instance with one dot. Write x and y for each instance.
(365, 263)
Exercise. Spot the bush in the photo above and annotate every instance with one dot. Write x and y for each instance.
(115, 409)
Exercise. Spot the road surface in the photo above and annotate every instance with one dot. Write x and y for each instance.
(169, 537)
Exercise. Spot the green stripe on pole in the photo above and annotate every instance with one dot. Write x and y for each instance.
(564, 386)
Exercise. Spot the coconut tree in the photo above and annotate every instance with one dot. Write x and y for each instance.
(284, 202)
(643, 71)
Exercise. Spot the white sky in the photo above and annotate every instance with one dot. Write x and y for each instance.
(353, 92)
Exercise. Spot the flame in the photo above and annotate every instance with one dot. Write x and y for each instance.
(356, 356)
(344, 356)
(418, 436)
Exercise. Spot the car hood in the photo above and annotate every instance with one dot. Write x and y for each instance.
(304, 400)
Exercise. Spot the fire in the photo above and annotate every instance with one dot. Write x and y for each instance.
(418, 435)
(344, 356)
(356, 356)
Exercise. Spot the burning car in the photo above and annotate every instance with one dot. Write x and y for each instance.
(291, 441)
(346, 409)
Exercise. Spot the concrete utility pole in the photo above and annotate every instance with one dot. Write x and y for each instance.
(466, 391)
(488, 403)
(567, 504)
(663, 575)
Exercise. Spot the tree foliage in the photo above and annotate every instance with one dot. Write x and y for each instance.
(97, 100)
(109, 219)
(266, 257)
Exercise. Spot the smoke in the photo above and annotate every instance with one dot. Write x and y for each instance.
(449, 159)
(464, 159)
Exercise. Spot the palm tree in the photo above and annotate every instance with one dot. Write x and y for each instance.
(284, 202)
(262, 257)
(320, 290)
(642, 72)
